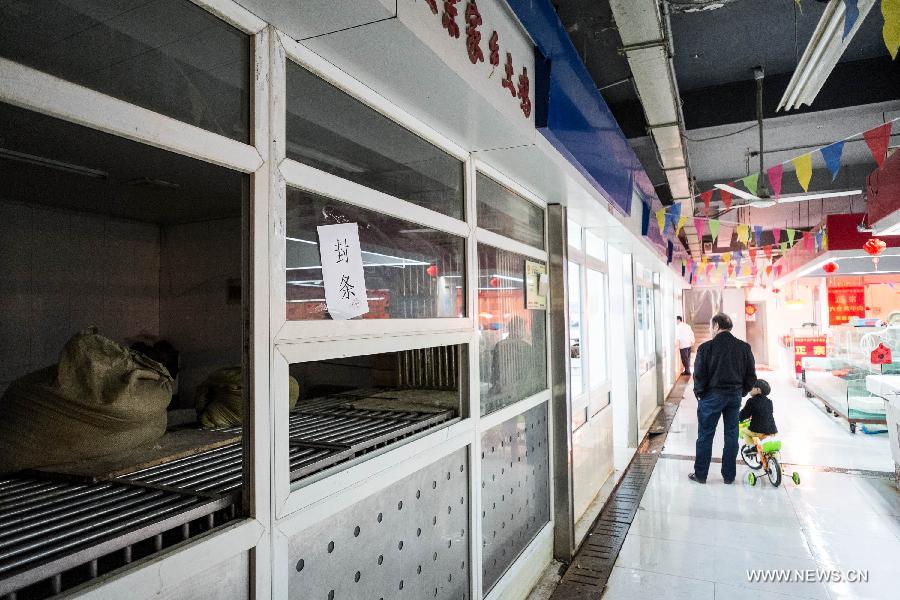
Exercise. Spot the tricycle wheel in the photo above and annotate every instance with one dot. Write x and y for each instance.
(751, 478)
(796, 478)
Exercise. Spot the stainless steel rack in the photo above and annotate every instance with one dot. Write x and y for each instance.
(49, 529)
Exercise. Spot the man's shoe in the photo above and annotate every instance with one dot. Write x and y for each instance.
(729, 481)
(696, 479)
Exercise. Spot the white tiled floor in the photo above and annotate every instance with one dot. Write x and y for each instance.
(697, 542)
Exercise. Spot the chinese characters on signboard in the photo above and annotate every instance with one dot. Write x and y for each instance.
(536, 284)
(845, 303)
(519, 87)
(816, 345)
(342, 271)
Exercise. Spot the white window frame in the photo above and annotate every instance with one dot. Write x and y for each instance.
(37, 91)
(593, 391)
(300, 504)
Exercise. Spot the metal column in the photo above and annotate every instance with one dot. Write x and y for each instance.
(560, 404)
(630, 342)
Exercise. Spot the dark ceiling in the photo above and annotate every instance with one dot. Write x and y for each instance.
(716, 50)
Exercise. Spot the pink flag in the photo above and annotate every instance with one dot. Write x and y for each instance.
(700, 226)
(775, 179)
(808, 240)
(777, 233)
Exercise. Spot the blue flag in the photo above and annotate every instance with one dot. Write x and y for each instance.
(757, 232)
(851, 13)
(832, 155)
(669, 249)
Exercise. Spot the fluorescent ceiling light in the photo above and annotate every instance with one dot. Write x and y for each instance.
(737, 192)
(52, 164)
(825, 48)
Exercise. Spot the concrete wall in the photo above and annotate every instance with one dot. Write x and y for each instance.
(62, 271)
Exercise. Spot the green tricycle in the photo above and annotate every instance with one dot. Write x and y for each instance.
(764, 454)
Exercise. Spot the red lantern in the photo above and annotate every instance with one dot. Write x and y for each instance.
(874, 247)
(432, 270)
(830, 267)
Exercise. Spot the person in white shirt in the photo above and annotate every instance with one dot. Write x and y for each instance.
(684, 338)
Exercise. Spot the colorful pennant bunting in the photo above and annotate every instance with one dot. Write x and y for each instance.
(681, 221)
(877, 140)
(700, 226)
(661, 219)
(768, 251)
(757, 233)
(751, 182)
(890, 10)
(775, 174)
(784, 247)
(753, 254)
(706, 197)
(832, 155)
(776, 233)
(791, 234)
(714, 229)
(726, 198)
(743, 233)
(851, 13)
(803, 170)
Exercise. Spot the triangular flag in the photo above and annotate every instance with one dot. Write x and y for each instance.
(681, 221)
(743, 233)
(714, 229)
(661, 219)
(747, 270)
(727, 257)
(700, 226)
(877, 140)
(753, 254)
(776, 233)
(670, 248)
(716, 258)
(738, 257)
(808, 240)
(683, 267)
(775, 174)
(832, 155)
(791, 234)
(704, 259)
(824, 240)
(726, 198)
(768, 270)
(706, 197)
(768, 251)
(751, 182)
(778, 271)
(784, 247)
(819, 240)
(730, 269)
(803, 168)
(851, 13)
(890, 10)
(757, 232)
(674, 215)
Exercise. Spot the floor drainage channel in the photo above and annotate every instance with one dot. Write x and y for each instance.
(588, 573)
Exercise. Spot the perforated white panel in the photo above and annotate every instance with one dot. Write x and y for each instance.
(409, 540)
(515, 489)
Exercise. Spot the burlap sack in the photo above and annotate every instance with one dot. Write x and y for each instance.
(220, 402)
(100, 399)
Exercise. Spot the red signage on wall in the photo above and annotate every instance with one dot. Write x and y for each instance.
(808, 346)
(846, 302)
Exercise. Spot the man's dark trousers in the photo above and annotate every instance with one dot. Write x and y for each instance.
(714, 404)
(686, 359)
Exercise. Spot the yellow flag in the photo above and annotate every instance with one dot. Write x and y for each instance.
(703, 259)
(743, 233)
(890, 9)
(726, 258)
(681, 221)
(803, 170)
(661, 219)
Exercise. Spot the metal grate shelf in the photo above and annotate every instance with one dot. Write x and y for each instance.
(48, 527)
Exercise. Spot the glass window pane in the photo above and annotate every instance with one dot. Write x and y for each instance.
(574, 234)
(505, 212)
(576, 375)
(597, 352)
(595, 246)
(411, 271)
(334, 132)
(169, 56)
(513, 349)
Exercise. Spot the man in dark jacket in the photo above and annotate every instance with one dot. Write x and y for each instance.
(724, 371)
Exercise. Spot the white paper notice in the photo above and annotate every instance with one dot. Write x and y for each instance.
(342, 271)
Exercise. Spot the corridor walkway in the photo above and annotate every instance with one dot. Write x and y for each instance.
(698, 542)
